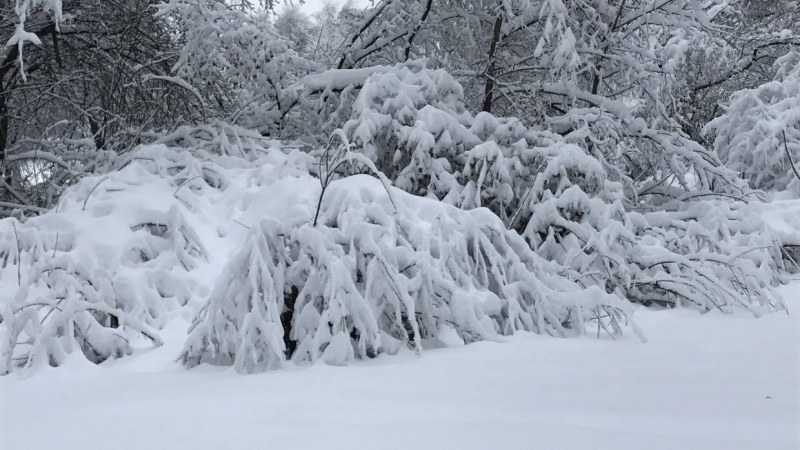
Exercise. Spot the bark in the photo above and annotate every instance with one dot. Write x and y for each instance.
(417, 28)
(491, 70)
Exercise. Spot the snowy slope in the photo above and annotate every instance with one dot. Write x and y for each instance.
(701, 382)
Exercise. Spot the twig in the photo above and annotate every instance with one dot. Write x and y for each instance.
(522, 203)
(340, 158)
(783, 248)
(13, 192)
(520, 207)
(22, 207)
(183, 84)
(185, 183)
(319, 204)
(789, 155)
(91, 192)
(19, 256)
(240, 223)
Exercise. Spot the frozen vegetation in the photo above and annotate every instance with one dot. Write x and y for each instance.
(193, 190)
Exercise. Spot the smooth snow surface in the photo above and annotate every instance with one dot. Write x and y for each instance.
(701, 382)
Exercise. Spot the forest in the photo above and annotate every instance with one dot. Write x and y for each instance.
(367, 181)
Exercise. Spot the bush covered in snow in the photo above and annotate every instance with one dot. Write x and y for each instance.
(758, 136)
(107, 265)
(413, 123)
(375, 276)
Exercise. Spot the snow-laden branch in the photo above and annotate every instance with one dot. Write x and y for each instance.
(183, 84)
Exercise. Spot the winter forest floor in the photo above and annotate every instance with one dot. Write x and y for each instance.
(701, 382)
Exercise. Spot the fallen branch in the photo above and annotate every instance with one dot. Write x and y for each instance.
(23, 207)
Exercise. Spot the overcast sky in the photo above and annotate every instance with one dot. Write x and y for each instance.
(312, 6)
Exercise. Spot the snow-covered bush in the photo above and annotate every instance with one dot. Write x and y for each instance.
(411, 121)
(108, 265)
(572, 207)
(710, 255)
(706, 254)
(320, 103)
(381, 271)
(379, 274)
(126, 251)
(216, 138)
(760, 126)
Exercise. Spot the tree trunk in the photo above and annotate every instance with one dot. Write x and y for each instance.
(407, 52)
(3, 125)
(4, 172)
(488, 98)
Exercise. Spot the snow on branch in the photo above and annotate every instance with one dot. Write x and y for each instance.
(26, 8)
(760, 129)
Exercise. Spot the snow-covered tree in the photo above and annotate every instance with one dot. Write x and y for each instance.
(758, 136)
(234, 62)
(412, 122)
(739, 52)
(331, 26)
(82, 85)
(293, 24)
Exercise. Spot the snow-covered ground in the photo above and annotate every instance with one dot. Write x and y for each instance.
(701, 382)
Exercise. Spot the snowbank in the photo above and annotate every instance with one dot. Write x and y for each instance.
(710, 382)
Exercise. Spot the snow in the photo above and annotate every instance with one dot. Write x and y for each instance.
(412, 310)
(705, 382)
(756, 134)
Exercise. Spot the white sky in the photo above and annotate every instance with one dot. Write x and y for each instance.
(312, 6)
